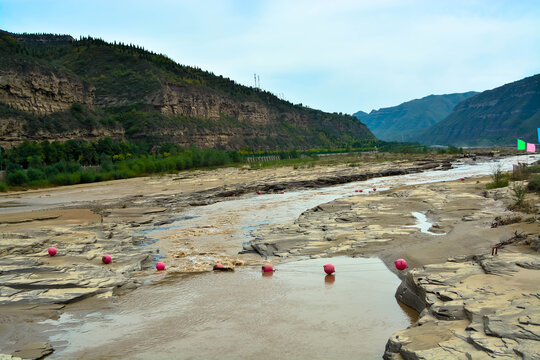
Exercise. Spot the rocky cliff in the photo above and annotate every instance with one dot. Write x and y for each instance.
(41, 91)
(150, 98)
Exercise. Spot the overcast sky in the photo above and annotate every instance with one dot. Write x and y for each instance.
(338, 56)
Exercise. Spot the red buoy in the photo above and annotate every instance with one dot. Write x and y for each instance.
(160, 266)
(462, 179)
(52, 251)
(356, 190)
(360, 190)
(283, 192)
(258, 193)
(106, 258)
(267, 268)
(400, 264)
(329, 269)
(374, 189)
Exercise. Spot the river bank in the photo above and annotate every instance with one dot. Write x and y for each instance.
(124, 218)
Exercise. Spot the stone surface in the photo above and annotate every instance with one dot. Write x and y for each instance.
(473, 307)
(29, 275)
(34, 351)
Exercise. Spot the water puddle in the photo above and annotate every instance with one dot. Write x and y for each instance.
(423, 224)
(296, 312)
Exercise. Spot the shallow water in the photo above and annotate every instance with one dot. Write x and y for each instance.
(235, 221)
(423, 224)
(296, 312)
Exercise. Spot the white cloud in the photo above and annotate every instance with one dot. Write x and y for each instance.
(343, 55)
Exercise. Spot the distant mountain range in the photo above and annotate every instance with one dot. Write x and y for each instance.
(54, 87)
(493, 117)
(405, 121)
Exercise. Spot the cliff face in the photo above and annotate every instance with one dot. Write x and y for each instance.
(124, 90)
(174, 99)
(14, 130)
(40, 91)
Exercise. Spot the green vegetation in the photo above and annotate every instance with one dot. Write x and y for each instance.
(41, 164)
(534, 183)
(519, 192)
(493, 117)
(500, 179)
(403, 122)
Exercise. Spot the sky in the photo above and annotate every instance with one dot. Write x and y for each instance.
(337, 56)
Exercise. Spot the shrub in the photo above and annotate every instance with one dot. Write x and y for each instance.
(61, 179)
(3, 187)
(534, 183)
(534, 169)
(35, 174)
(75, 178)
(519, 193)
(39, 183)
(51, 171)
(499, 178)
(17, 178)
(87, 176)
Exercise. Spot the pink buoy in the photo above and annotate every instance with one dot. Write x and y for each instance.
(218, 266)
(356, 190)
(267, 268)
(106, 259)
(329, 269)
(283, 192)
(258, 193)
(52, 251)
(400, 264)
(462, 179)
(160, 266)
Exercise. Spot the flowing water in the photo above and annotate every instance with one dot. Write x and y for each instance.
(296, 312)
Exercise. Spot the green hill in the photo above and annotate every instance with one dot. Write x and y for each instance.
(53, 87)
(403, 122)
(493, 117)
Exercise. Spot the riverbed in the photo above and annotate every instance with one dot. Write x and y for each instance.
(297, 312)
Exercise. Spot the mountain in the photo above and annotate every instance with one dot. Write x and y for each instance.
(493, 117)
(53, 87)
(399, 123)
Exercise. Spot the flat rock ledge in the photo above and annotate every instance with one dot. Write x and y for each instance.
(28, 275)
(475, 307)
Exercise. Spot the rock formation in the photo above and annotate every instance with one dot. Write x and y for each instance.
(41, 91)
(472, 307)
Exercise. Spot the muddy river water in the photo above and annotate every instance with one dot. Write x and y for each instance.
(295, 313)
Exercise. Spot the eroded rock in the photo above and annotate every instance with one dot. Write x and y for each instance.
(472, 308)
